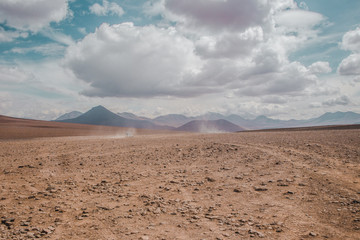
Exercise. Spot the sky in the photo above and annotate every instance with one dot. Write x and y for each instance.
(284, 59)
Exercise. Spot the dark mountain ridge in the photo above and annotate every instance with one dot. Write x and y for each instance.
(210, 126)
(132, 116)
(70, 115)
(101, 116)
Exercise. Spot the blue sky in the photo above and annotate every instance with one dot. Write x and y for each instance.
(282, 58)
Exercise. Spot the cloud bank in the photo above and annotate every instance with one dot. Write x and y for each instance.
(32, 15)
(123, 60)
(214, 46)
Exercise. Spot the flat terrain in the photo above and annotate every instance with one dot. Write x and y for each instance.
(250, 185)
(18, 128)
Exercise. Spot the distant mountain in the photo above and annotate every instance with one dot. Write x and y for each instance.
(236, 119)
(211, 116)
(210, 126)
(101, 116)
(132, 116)
(337, 118)
(174, 120)
(263, 122)
(70, 115)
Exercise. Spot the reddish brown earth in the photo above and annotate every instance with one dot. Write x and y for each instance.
(270, 185)
(18, 128)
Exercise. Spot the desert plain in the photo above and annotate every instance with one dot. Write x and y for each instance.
(66, 181)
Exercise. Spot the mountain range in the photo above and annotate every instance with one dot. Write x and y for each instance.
(210, 122)
(101, 116)
(70, 115)
(210, 126)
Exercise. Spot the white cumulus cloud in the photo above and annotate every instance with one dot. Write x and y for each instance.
(213, 46)
(290, 79)
(320, 67)
(125, 60)
(351, 64)
(106, 8)
(351, 40)
(217, 15)
(32, 15)
(342, 100)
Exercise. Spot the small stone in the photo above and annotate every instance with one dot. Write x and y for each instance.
(51, 228)
(260, 189)
(289, 193)
(8, 222)
(45, 231)
(260, 235)
(237, 190)
(209, 179)
(24, 223)
(254, 233)
(104, 208)
(312, 234)
(30, 235)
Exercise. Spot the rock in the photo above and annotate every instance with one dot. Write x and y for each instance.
(58, 209)
(24, 223)
(8, 221)
(209, 179)
(260, 189)
(30, 235)
(289, 193)
(26, 166)
(45, 231)
(51, 228)
(237, 190)
(260, 235)
(256, 233)
(103, 208)
(312, 234)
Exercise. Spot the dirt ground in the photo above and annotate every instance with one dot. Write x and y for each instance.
(18, 128)
(270, 185)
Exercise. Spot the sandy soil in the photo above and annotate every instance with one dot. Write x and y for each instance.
(271, 185)
(18, 128)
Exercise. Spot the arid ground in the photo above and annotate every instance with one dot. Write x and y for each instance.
(249, 185)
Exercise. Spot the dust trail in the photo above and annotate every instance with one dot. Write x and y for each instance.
(99, 135)
(205, 128)
(131, 132)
